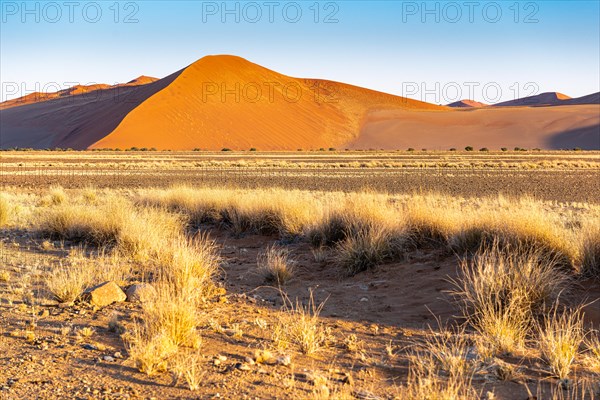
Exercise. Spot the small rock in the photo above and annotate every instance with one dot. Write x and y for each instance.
(104, 294)
(140, 292)
(118, 355)
(249, 360)
(364, 299)
(221, 358)
(89, 347)
(242, 366)
(284, 360)
(108, 359)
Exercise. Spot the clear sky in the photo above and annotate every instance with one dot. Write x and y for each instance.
(432, 51)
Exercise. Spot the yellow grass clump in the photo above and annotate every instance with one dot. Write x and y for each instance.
(501, 288)
(560, 335)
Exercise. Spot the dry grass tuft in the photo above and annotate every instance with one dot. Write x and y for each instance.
(150, 353)
(67, 282)
(439, 369)
(173, 314)
(501, 289)
(189, 365)
(275, 265)
(369, 247)
(300, 325)
(592, 345)
(560, 335)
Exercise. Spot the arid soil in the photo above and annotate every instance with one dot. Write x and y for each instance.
(385, 316)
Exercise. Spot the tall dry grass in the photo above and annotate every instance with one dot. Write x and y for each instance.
(560, 336)
(327, 219)
(502, 288)
(116, 223)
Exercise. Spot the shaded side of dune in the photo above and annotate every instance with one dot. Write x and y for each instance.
(75, 121)
(526, 127)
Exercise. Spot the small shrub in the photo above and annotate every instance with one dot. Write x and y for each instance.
(252, 148)
(504, 149)
(469, 148)
(484, 149)
(226, 149)
(410, 149)
(453, 149)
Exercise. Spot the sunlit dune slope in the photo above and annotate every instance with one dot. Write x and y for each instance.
(227, 101)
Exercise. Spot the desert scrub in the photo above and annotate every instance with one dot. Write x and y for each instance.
(188, 265)
(439, 368)
(275, 265)
(173, 314)
(189, 366)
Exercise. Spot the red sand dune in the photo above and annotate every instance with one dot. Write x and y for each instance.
(226, 101)
(466, 104)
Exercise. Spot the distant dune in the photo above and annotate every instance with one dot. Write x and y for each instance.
(527, 127)
(551, 99)
(227, 101)
(466, 104)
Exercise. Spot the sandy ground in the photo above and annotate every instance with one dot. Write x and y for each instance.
(386, 308)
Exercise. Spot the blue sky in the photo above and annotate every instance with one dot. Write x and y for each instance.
(432, 51)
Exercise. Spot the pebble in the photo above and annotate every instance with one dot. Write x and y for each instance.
(242, 366)
(364, 299)
(118, 355)
(108, 359)
(284, 360)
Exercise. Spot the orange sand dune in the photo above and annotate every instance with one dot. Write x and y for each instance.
(527, 127)
(226, 101)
